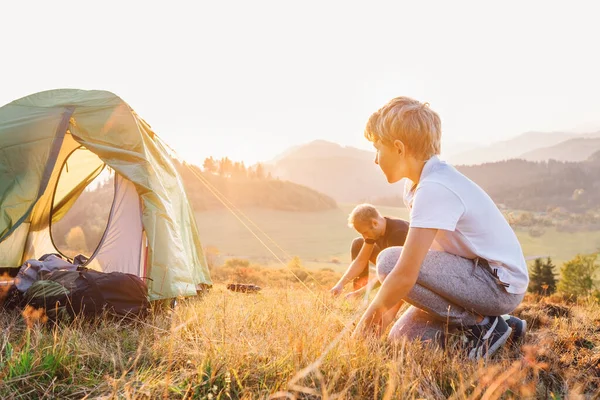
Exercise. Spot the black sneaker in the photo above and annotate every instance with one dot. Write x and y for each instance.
(518, 326)
(485, 340)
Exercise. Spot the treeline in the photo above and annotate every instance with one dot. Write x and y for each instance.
(540, 186)
(246, 187)
(227, 168)
(569, 187)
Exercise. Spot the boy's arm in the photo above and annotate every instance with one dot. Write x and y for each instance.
(356, 267)
(398, 283)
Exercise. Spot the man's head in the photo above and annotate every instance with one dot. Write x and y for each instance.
(367, 221)
(405, 133)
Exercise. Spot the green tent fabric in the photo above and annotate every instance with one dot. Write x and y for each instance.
(39, 132)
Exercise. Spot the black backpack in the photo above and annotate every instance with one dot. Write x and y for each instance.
(90, 293)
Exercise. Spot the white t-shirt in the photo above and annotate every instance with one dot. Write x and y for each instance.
(470, 225)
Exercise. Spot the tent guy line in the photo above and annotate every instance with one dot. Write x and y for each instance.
(230, 209)
(312, 367)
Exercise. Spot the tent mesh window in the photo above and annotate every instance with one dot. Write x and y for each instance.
(81, 205)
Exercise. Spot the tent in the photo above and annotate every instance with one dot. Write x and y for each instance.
(53, 144)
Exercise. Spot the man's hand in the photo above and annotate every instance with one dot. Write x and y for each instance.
(372, 284)
(357, 294)
(336, 290)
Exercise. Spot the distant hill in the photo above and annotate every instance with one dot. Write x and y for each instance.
(594, 157)
(578, 149)
(516, 147)
(347, 174)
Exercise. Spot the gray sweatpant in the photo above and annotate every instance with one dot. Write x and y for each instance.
(450, 291)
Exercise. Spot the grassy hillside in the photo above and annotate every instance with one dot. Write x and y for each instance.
(320, 237)
(286, 343)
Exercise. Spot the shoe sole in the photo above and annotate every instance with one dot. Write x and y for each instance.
(475, 354)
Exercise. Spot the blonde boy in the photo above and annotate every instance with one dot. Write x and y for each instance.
(462, 262)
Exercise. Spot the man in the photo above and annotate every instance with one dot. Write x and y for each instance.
(377, 233)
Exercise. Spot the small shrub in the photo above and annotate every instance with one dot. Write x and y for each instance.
(536, 232)
(237, 262)
(300, 274)
(576, 275)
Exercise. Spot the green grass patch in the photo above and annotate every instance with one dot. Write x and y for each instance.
(322, 239)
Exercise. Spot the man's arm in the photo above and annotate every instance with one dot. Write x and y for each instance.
(398, 283)
(356, 267)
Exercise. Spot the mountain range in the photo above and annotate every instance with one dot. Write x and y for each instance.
(349, 174)
(533, 146)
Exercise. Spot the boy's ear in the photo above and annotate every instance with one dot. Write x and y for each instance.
(399, 146)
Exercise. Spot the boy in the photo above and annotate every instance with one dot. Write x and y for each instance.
(462, 263)
(377, 233)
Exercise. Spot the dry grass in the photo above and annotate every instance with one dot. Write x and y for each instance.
(233, 345)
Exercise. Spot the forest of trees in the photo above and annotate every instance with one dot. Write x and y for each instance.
(524, 185)
(562, 187)
(227, 168)
(247, 187)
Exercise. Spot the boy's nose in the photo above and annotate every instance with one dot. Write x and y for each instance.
(376, 160)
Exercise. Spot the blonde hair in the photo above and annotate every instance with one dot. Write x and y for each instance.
(362, 214)
(413, 123)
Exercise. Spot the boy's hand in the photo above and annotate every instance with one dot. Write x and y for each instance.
(336, 290)
(369, 325)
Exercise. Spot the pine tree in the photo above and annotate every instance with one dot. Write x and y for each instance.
(536, 280)
(210, 165)
(225, 166)
(260, 171)
(548, 277)
(541, 277)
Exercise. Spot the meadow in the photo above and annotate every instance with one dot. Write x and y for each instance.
(292, 339)
(319, 238)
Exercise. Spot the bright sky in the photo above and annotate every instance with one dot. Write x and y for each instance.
(248, 79)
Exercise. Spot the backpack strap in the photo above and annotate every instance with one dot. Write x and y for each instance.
(96, 295)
